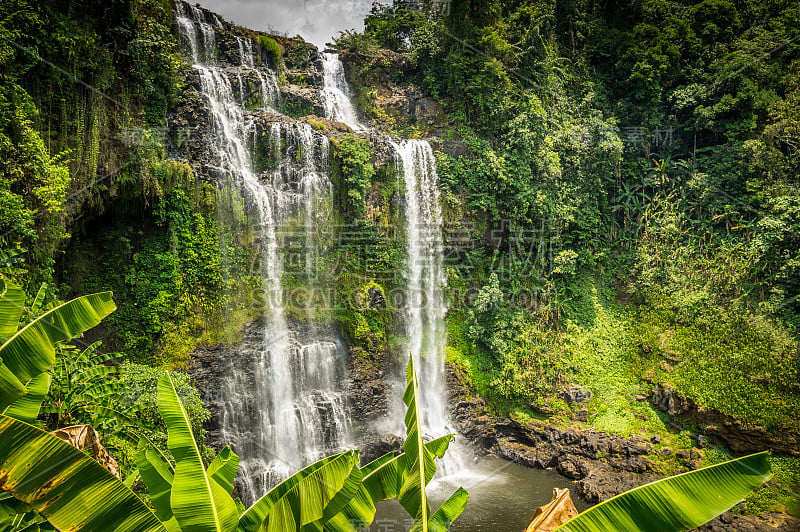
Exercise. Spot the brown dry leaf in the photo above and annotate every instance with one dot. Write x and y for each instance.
(551, 516)
(85, 437)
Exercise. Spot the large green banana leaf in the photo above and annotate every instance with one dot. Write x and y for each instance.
(27, 407)
(31, 350)
(223, 468)
(448, 512)
(66, 486)
(677, 503)
(308, 498)
(198, 503)
(382, 480)
(157, 475)
(12, 302)
(360, 511)
(419, 466)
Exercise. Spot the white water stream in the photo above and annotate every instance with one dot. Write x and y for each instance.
(336, 96)
(282, 404)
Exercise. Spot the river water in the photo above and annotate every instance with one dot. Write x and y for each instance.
(503, 497)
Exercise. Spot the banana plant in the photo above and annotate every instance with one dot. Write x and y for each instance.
(74, 492)
(408, 473)
(27, 353)
(678, 503)
(382, 480)
(191, 497)
(64, 485)
(83, 383)
(420, 469)
(308, 499)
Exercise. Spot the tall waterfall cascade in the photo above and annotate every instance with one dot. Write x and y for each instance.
(282, 405)
(336, 96)
(425, 304)
(282, 402)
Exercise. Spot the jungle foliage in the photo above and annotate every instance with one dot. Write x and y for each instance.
(635, 159)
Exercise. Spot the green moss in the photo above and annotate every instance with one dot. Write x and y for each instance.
(296, 109)
(272, 50)
(354, 156)
(780, 494)
(299, 55)
(316, 124)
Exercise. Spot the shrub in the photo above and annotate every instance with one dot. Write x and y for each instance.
(272, 48)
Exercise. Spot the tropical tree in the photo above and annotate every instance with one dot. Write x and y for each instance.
(192, 497)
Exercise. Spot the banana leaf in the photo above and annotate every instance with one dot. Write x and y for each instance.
(448, 512)
(382, 480)
(360, 511)
(65, 486)
(223, 468)
(31, 350)
(419, 464)
(308, 498)
(678, 503)
(157, 475)
(12, 303)
(198, 503)
(27, 407)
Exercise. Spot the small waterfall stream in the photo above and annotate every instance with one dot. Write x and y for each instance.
(282, 405)
(425, 308)
(336, 96)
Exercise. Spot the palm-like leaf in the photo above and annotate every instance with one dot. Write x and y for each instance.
(448, 512)
(360, 511)
(419, 465)
(12, 302)
(223, 468)
(64, 485)
(382, 480)
(677, 503)
(307, 499)
(27, 407)
(30, 351)
(157, 475)
(198, 502)
(83, 383)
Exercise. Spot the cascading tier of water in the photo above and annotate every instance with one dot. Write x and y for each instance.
(282, 406)
(336, 93)
(425, 306)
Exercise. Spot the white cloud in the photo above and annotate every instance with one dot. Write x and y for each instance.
(317, 21)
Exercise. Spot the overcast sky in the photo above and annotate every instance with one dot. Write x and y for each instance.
(317, 21)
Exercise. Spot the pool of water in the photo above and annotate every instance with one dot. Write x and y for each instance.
(503, 497)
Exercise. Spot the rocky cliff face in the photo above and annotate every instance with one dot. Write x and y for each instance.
(602, 465)
(741, 438)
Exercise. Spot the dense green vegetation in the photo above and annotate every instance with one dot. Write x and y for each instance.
(625, 173)
(652, 147)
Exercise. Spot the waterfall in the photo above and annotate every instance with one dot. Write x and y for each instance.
(336, 93)
(281, 405)
(425, 306)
